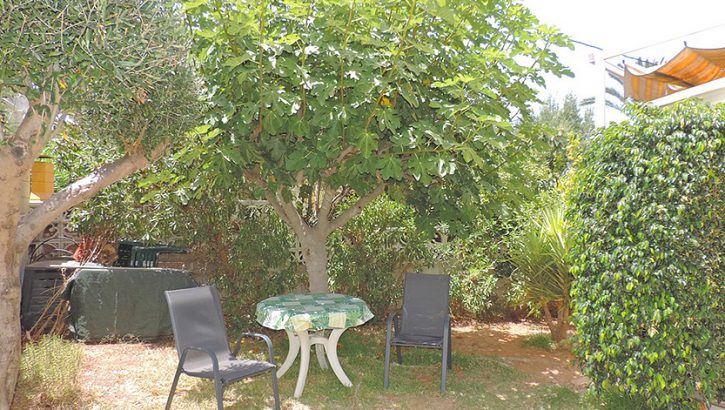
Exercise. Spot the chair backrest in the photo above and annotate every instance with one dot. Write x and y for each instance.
(196, 319)
(425, 304)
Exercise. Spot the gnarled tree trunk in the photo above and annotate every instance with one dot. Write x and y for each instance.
(18, 227)
(9, 321)
(12, 181)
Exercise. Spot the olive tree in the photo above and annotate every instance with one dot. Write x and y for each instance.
(116, 72)
(316, 102)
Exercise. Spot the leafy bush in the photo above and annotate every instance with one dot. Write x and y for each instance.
(119, 210)
(480, 274)
(248, 251)
(542, 275)
(647, 217)
(370, 255)
(612, 399)
(372, 252)
(49, 373)
(473, 292)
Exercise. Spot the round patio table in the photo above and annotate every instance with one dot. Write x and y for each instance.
(305, 318)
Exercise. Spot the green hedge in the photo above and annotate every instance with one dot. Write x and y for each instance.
(647, 213)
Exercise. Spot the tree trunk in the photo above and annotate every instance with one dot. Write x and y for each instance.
(18, 227)
(9, 320)
(563, 318)
(559, 326)
(314, 254)
(313, 239)
(13, 200)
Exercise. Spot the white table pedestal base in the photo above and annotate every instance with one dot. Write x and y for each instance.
(300, 342)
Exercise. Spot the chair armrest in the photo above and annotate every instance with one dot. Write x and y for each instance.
(393, 319)
(212, 355)
(258, 336)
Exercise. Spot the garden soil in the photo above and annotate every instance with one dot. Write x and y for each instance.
(505, 341)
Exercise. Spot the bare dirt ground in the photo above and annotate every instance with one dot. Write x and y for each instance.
(505, 340)
(109, 371)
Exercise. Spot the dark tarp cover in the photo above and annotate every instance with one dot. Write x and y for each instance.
(117, 302)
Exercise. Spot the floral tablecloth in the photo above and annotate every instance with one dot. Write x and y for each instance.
(313, 311)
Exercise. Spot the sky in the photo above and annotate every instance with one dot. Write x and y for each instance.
(653, 29)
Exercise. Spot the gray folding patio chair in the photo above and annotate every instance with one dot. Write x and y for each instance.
(203, 347)
(423, 321)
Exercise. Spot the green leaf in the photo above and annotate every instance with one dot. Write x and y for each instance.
(391, 168)
(235, 61)
(419, 170)
(409, 95)
(297, 160)
(290, 39)
(191, 5)
(367, 143)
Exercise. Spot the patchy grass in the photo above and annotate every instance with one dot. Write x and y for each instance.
(138, 376)
(474, 382)
(49, 374)
(611, 399)
(541, 341)
(558, 397)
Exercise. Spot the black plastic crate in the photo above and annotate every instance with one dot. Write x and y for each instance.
(39, 286)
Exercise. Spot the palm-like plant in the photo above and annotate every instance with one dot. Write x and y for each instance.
(538, 252)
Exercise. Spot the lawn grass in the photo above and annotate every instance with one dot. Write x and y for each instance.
(476, 382)
(138, 376)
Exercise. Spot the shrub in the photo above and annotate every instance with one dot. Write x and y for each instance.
(473, 292)
(480, 274)
(542, 275)
(49, 373)
(370, 254)
(250, 251)
(647, 217)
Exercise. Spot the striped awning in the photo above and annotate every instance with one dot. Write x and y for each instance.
(690, 67)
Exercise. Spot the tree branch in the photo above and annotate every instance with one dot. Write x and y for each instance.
(253, 202)
(339, 160)
(339, 197)
(277, 203)
(355, 210)
(33, 223)
(272, 199)
(36, 147)
(325, 207)
(52, 102)
(291, 212)
(30, 129)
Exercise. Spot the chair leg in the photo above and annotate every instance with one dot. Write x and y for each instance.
(219, 391)
(450, 350)
(275, 389)
(400, 355)
(173, 387)
(386, 367)
(444, 369)
(445, 354)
